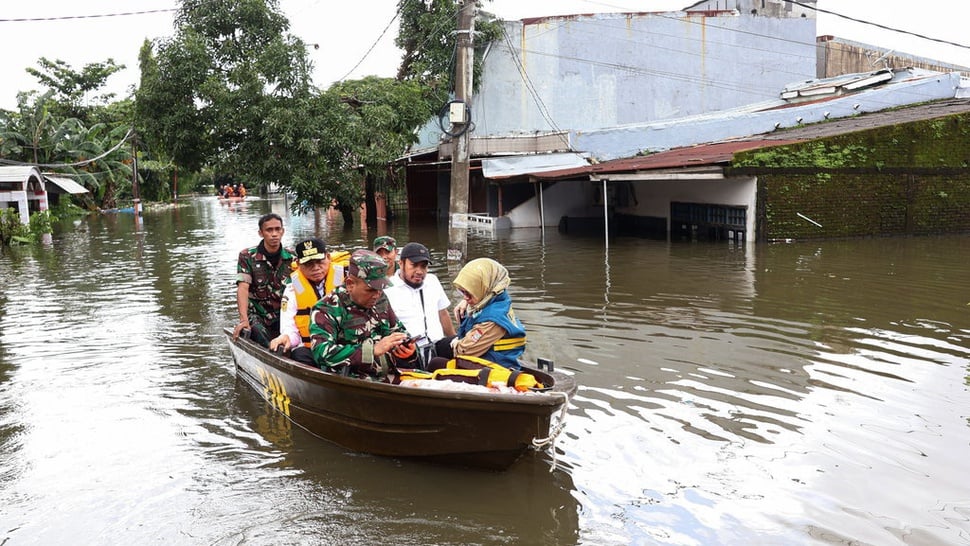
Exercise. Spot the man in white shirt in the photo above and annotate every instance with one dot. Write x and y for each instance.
(420, 302)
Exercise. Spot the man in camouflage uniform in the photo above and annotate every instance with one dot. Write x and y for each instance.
(386, 247)
(260, 273)
(354, 326)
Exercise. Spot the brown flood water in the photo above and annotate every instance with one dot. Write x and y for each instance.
(809, 393)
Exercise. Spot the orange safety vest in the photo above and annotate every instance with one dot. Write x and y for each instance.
(306, 298)
(306, 295)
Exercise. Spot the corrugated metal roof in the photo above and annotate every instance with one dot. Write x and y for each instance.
(722, 152)
(694, 156)
(65, 184)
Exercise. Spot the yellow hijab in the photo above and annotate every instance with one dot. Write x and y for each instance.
(482, 278)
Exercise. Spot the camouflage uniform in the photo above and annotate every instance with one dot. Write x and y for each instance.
(343, 333)
(385, 242)
(266, 285)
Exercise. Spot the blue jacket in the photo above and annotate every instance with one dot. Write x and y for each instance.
(507, 350)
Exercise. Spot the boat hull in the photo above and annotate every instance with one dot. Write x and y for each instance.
(479, 429)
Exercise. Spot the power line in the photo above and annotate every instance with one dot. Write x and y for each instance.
(371, 48)
(670, 38)
(878, 25)
(543, 110)
(94, 16)
(77, 163)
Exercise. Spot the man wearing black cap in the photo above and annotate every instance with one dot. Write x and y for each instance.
(305, 288)
(419, 300)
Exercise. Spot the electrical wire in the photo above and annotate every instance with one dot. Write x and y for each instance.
(878, 25)
(543, 110)
(93, 16)
(371, 48)
(78, 163)
(445, 111)
(436, 31)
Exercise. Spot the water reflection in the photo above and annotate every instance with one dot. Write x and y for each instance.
(411, 501)
(729, 394)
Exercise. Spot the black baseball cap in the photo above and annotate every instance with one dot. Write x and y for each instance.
(416, 252)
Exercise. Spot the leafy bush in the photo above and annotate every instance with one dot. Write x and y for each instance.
(14, 232)
(40, 223)
(66, 209)
(10, 227)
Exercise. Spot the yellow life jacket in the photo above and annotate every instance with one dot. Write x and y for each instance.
(339, 261)
(306, 298)
(478, 371)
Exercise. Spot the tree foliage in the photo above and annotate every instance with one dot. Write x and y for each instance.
(213, 91)
(72, 91)
(93, 155)
(231, 91)
(360, 128)
(429, 42)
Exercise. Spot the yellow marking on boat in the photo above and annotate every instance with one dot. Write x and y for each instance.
(274, 391)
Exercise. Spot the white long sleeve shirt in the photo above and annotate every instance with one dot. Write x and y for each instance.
(288, 309)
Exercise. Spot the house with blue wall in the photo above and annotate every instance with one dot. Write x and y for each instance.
(564, 94)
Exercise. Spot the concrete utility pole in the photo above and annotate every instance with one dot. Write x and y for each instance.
(459, 117)
(135, 194)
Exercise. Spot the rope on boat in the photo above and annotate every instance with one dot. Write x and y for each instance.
(549, 442)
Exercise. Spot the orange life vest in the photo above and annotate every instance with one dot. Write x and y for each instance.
(339, 261)
(306, 298)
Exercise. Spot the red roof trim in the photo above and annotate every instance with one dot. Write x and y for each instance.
(693, 156)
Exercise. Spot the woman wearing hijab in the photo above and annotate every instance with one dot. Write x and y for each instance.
(489, 328)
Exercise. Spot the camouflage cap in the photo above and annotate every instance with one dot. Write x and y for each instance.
(370, 267)
(385, 242)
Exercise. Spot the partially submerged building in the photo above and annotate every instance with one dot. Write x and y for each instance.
(26, 190)
(594, 122)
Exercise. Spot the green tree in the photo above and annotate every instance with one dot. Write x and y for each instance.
(73, 90)
(356, 131)
(211, 95)
(427, 36)
(30, 132)
(96, 157)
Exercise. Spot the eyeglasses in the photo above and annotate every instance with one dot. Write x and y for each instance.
(464, 293)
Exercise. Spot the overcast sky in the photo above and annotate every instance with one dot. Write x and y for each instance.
(345, 31)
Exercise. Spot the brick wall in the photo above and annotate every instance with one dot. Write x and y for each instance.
(911, 178)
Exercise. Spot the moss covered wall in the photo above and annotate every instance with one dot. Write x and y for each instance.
(911, 178)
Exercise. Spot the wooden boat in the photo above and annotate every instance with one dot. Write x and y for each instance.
(480, 429)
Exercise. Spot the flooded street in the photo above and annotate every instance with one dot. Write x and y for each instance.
(808, 393)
